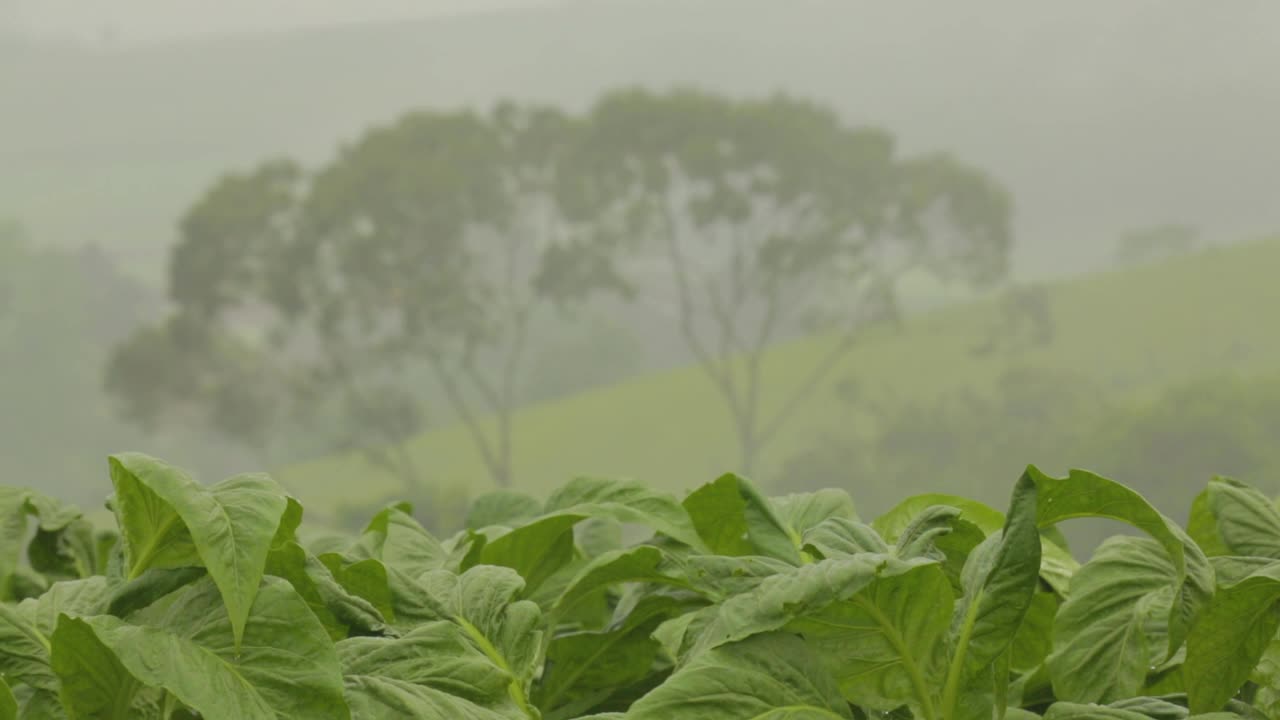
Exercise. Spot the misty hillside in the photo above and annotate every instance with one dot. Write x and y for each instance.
(1099, 116)
(1124, 337)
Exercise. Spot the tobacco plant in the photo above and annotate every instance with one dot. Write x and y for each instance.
(611, 601)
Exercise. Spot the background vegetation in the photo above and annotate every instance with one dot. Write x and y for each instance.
(1127, 330)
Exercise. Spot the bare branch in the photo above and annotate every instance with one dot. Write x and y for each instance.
(820, 372)
(717, 369)
(450, 385)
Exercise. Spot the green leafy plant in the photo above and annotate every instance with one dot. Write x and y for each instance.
(611, 601)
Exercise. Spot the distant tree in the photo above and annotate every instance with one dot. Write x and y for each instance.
(1159, 242)
(771, 218)
(888, 444)
(56, 426)
(198, 367)
(1023, 320)
(1217, 423)
(424, 244)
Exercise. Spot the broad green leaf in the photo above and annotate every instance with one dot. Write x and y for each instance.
(1034, 640)
(839, 536)
(721, 577)
(360, 616)
(463, 549)
(627, 502)
(1090, 711)
(1057, 564)
(438, 655)
(596, 664)
(718, 512)
(409, 604)
(377, 698)
(999, 581)
(52, 514)
(920, 537)
(40, 705)
(1139, 708)
(767, 677)
(1084, 494)
(164, 515)
(394, 538)
(149, 587)
(71, 597)
(590, 611)
(288, 561)
(54, 548)
(286, 653)
(885, 643)
(596, 536)
(1266, 674)
(1202, 526)
(779, 599)
(535, 551)
(24, 650)
(801, 511)
(27, 583)
(1152, 707)
(893, 523)
(502, 507)
(285, 665)
(941, 533)
(1167, 679)
(1231, 569)
(66, 553)
(1248, 523)
(25, 629)
(484, 602)
(637, 564)
(368, 582)
(13, 533)
(680, 635)
(735, 519)
(1103, 648)
(339, 611)
(95, 684)
(1230, 638)
(8, 703)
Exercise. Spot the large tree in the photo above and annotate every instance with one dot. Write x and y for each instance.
(771, 218)
(422, 246)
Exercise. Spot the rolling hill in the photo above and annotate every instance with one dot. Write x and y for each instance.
(1135, 330)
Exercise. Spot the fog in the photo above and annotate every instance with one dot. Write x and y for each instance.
(148, 21)
(905, 247)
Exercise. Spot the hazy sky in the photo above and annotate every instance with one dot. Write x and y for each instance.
(150, 20)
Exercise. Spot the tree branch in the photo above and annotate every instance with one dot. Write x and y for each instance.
(823, 369)
(450, 385)
(717, 370)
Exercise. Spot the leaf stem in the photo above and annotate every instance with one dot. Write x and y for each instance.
(140, 564)
(952, 687)
(922, 689)
(516, 688)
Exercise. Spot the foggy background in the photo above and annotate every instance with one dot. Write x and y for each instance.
(1133, 333)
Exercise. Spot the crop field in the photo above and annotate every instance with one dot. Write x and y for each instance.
(615, 600)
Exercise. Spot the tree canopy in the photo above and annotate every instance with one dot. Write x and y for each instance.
(443, 244)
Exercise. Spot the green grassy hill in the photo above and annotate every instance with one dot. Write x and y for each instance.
(1135, 330)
